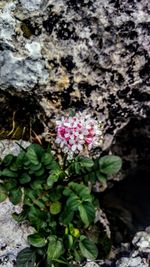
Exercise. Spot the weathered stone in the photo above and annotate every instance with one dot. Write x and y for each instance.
(89, 54)
(31, 5)
(21, 73)
(82, 54)
(7, 21)
(13, 236)
(11, 147)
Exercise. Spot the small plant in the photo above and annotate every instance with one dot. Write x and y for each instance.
(56, 201)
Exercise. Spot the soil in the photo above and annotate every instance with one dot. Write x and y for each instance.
(20, 117)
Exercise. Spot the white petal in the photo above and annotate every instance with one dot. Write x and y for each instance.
(67, 124)
(71, 141)
(73, 148)
(80, 147)
(67, 135)
(81, 136)
(58, 140)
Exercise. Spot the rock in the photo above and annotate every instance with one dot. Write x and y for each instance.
(140, 255)
(142, 241)
(13, 236)
(82, 54)
(125, 256)
(7, 22)
(133, 262)
(91, 264)
(31, 5)
(89, 54)
(11, 147)
(22, 73)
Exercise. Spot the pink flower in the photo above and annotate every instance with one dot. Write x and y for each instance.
(75, 133)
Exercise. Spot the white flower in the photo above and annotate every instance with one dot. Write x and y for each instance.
(75, 133)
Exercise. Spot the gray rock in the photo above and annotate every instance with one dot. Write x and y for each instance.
(142, 241)
(13, 236)
(11, 147)
(31, 5)
(7, 22)
(94, 55)
(21, 73)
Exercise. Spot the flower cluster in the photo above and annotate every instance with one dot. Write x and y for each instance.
(77, 132)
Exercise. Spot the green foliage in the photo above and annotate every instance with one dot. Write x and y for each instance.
(88, 249)
(110, 164)
(37, 240)
(3, 193)
(55, 248)
(56, 201)
(26, 257)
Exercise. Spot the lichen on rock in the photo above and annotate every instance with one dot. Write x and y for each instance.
(31, 5)
(21, 73)
(82, 54)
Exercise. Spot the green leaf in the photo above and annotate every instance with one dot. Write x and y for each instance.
(26, 258)
(53, 177)
(66, 216)
(81, 190)
(77, 255)
(15, 196)
(10, 184)
(55, 208)
(77, 167)
(39, 203)
(20, 159)
(36, 167)
(55, 248)
(69, 241)
(8, 160)
(32, 156)
(37, 217)
(101, 176)
(35, 185)
(110, 164)
(53, 166)
(87, 213)
(86, 162)
(19, 217)
(14, 167)
(8, 173)
(73, 202)
(3, 194)
(37, 240)
(27, 163)
(40, 172)
(29, 193)
(47, 158)
(25, 178)
(56, 193)
(88, 249)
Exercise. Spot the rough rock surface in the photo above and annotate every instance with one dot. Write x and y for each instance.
(136, 254)
(13, 236)
(139, 256)
(11, 147)
(84, 54)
